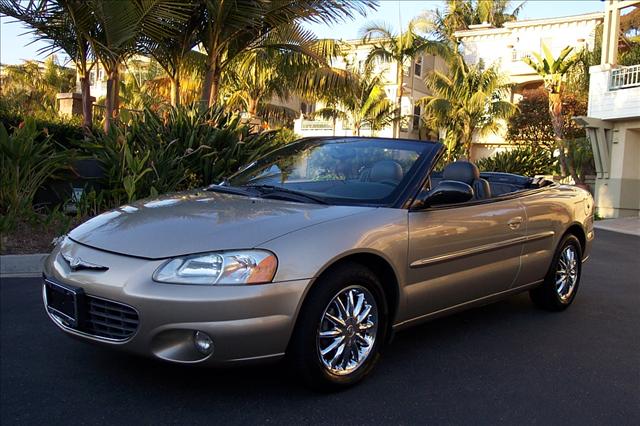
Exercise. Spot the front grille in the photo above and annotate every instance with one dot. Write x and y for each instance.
(110, 320)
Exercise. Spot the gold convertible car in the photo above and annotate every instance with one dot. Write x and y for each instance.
(319, 251)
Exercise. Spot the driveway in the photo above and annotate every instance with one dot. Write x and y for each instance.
(502, 363)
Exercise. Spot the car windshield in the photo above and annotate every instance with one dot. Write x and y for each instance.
(336, 171)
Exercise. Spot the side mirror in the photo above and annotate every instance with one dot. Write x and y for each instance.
(447, 192)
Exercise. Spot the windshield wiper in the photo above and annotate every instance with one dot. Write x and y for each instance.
(229, 190)
(275, 188)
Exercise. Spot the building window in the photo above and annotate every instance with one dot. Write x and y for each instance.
(417, 112)
(417, 67)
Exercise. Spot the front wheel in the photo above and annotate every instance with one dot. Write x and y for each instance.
(561, 283)
(340, 329)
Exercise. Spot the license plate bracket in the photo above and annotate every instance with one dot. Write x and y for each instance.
(63, 302)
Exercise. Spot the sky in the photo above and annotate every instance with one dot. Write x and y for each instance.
(15, 46)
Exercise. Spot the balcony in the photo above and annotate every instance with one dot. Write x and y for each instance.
(625, 77)
(316, 125)
(614, 92)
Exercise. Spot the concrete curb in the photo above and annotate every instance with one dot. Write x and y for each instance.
(628, 226)
(21, 265)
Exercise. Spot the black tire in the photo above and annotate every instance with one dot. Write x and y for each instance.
(547, 296)
(304, 350)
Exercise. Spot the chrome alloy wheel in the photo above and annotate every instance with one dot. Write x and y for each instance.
(347, 330)
(567, 273)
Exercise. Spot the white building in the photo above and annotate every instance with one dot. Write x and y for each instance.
(414, 89)
(98, 77)
(613, 123)
(508, 45)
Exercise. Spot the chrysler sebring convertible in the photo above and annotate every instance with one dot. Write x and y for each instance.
(319, 252)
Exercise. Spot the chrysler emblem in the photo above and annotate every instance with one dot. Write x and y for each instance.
(76, 264)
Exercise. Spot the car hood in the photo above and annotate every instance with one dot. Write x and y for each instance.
(194, 222)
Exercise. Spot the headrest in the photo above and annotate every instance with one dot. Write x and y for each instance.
(386, 170)
(462, 171)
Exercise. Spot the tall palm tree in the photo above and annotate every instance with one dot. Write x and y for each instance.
(460, 14)
(553, 71)
(467, 101)
(64, 25)
(175, 51)
(232, 27)
(400, 48)
(33, 85)
(257, 76)
(119, 29)
(363, 102)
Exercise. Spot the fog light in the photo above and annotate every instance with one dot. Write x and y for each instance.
(203, 343)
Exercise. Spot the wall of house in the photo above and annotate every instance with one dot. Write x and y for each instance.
(414, 89)
(618, 195)
(506, 47)
(608, 104)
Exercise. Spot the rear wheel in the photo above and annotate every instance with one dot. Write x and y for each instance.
(340, 329)
(560, 286)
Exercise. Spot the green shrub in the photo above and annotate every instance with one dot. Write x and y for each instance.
(27, 160)
(285, 136)
(582, 156)
(65, 131)
(521, 160)
(180, 148)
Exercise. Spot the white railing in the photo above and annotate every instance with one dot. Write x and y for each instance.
(624, 77)
(316, 125)
(519, 55)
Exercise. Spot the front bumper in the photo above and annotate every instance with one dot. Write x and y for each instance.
(245, 322)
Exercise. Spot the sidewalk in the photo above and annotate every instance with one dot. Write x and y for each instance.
(21, 265)
(625, 225)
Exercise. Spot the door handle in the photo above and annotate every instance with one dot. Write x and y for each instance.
(514, 223)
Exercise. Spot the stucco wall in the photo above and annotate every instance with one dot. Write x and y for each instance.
(608, 104)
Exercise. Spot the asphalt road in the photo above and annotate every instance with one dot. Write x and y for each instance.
(502, 363)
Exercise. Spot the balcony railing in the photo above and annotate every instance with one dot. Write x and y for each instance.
(519, 55)
(625, 77)
(316, 125)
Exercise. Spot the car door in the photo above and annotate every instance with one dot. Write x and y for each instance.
(462, 253)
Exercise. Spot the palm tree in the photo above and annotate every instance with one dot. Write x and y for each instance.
(175, 51)
(363, 102)
(33, 85)
(257, 76)
(233, 27)
(459, 14)
(63, 25)
(553, 72)
(469, 100)
(399, 49)
(120, 26)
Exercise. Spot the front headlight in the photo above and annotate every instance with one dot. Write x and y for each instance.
(226, 268)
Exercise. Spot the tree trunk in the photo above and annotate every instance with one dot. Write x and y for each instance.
(206, 89)
(215, 88)
(555, 110)
(108, 104)
(211, 85)
(468, 139)
(333, 120)
(175, 91)
(87, 107)
(112, 99)
(116, 92)
(252, 107)
(400, 78)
